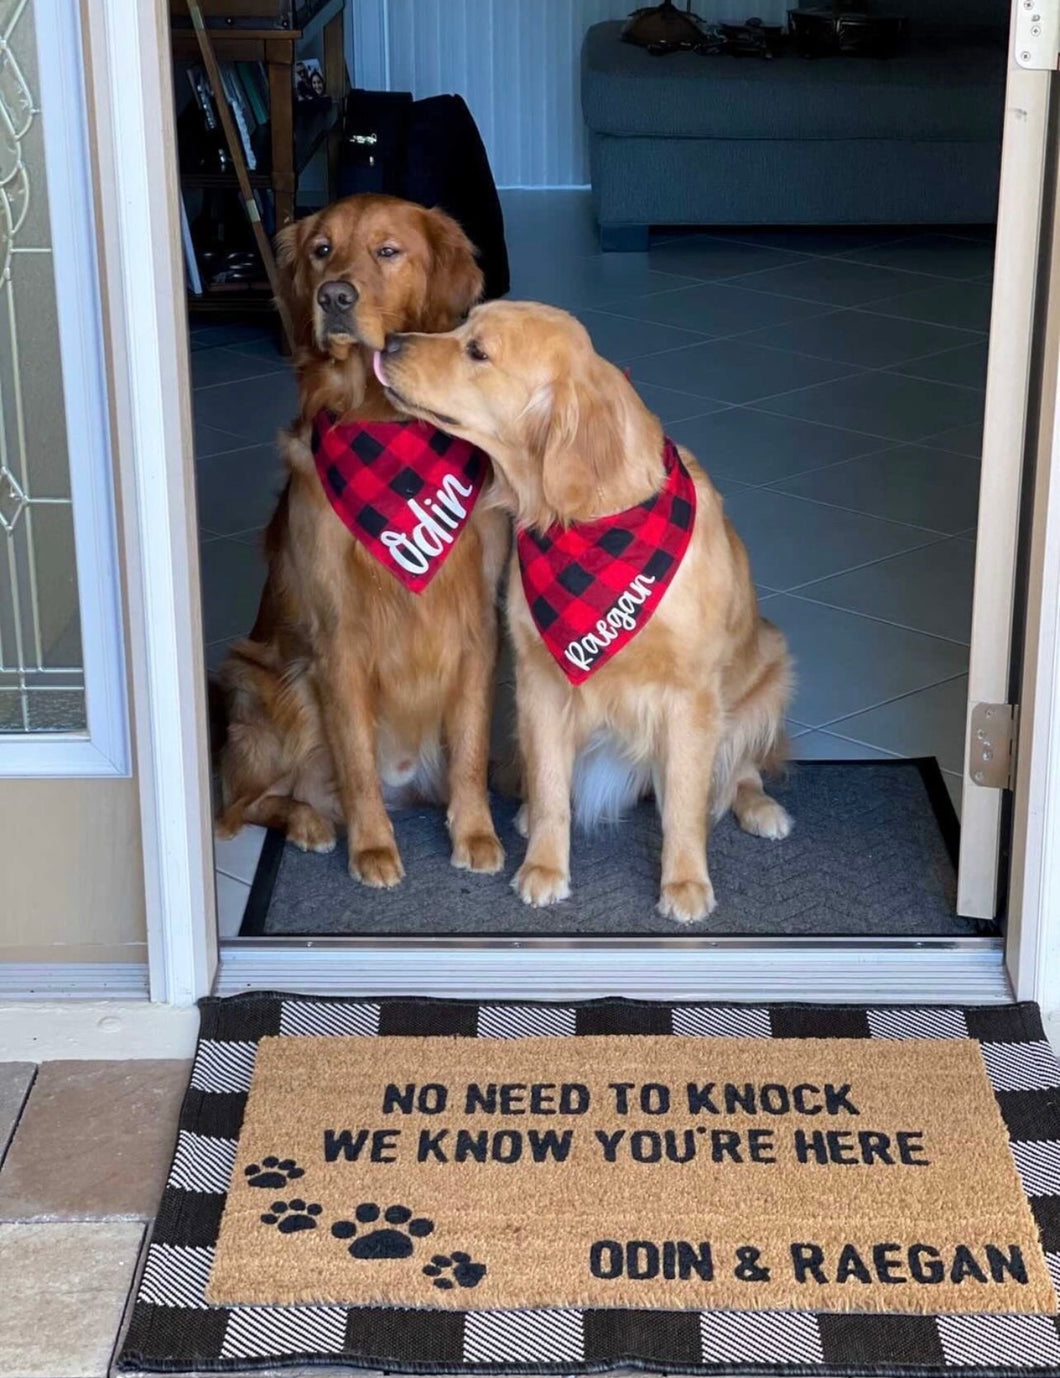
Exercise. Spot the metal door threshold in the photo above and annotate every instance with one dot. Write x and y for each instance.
(936, 971)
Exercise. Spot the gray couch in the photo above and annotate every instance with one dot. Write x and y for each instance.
(690, 140)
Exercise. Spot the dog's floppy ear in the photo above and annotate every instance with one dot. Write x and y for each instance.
(455, 280)
(290, 245)
(574, 435)
(291, 240)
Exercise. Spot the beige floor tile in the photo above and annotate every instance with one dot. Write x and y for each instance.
(94, 1141)
(15, 1080)
(64, 1289)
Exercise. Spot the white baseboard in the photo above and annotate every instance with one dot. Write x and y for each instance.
(95, 1030)
(87, 1011)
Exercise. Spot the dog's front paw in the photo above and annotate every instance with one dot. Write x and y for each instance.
(540, 885)
(379, 867)
(478, 852)
(766, 818)
(687, 901)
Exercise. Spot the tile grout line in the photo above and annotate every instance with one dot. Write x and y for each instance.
(886, 440)
(219, 870)
(855, 371)
(19, 1115)
(978, 336)
(237, 382)
(859, 263)
(884, 703)
(893, 369)
(797, 590)
(235, 450)
(736, 281)
(796, 255)
(838, 507)
(868, 616)
(771, 485)
(233, 535)
(837, 737)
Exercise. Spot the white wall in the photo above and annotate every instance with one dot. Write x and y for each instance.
(515, 62)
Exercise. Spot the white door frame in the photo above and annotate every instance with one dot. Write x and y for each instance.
(1034, 893)
(1008, 386)
(133, 124)
(135, 137)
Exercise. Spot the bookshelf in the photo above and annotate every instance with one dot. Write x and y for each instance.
(270, 33)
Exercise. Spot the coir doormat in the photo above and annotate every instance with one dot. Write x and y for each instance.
(433, 1186)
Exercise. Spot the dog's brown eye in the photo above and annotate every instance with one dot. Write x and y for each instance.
(387, 251)
(476, 352)
(322, 251)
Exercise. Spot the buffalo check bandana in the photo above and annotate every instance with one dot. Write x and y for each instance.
(592, 586)
(405, 489)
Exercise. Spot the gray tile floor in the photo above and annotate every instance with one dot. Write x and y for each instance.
(831, 382)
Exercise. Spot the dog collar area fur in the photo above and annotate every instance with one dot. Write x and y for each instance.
(405, 489)
(591, 587)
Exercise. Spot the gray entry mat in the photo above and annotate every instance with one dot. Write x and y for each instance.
(873, 853)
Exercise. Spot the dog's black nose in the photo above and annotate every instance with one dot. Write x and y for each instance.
(336, 296)
(394, 344)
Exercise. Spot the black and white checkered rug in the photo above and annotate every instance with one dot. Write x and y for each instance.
(173, 1329)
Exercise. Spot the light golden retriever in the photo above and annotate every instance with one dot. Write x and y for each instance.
(352, 692)
(694, 704)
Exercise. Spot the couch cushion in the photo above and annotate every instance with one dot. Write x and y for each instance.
(940, 89)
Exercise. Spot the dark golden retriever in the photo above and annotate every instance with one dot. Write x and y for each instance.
(352, 692)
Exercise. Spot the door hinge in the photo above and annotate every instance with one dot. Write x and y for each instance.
(1036, 41)
(992, 748)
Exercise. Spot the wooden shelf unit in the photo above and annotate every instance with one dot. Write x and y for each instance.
(270, 31)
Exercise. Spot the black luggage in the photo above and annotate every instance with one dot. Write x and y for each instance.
(429, 151)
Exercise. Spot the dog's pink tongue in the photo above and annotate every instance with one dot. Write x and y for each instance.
(377, 365)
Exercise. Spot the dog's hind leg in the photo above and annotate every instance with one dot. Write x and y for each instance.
(757, 742)
(307, 829)
(300, 822)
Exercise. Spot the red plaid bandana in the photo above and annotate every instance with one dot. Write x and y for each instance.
(592, 586)
(404, 488)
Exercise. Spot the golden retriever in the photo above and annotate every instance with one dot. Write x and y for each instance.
(352, 692)
(694, 703)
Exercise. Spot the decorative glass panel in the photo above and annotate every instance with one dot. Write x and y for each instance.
(42, 685)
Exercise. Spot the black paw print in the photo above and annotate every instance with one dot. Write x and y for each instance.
(463, 1272)
(273, 1172)
(383, 1243)
(291, 1217)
